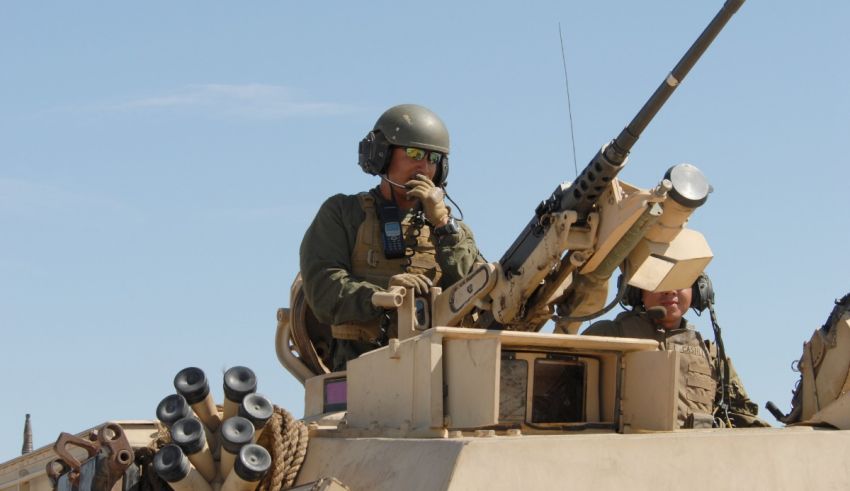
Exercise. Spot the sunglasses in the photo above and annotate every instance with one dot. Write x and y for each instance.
(434, 158)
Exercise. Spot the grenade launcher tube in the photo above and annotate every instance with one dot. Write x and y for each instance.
(582, 194)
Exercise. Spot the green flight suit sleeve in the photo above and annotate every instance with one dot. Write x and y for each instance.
(457, 254)
(334, 296)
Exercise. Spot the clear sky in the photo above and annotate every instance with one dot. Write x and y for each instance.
(160, 161)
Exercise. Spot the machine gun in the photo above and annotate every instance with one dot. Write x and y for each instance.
(577, 237)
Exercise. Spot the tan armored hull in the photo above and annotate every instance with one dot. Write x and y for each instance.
(789, 458)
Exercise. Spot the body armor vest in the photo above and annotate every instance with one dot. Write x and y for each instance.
(369, 262)
(697, 377)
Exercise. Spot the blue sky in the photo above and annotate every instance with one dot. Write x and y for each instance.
(160, 161)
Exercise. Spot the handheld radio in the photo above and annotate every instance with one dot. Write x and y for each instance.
(391, 232)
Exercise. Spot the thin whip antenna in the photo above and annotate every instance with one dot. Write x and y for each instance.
(569, 103)
(570, 112)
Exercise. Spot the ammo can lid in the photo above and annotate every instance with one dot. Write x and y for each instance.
(236, 432)
(257, 408)
(253, 462)
(192, 384)
(188, 433)
(238, 382)
(171, 463)
(172, 408)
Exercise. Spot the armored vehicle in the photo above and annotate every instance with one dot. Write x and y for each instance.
(470, 395)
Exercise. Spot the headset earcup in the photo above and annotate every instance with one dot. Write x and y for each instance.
(696, 296)
(442, 172)
(364, 153)
(383, 154)
(702, 293)
(633, 297)
(374, 153)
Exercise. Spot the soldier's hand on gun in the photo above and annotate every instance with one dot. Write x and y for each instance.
(419, 282)
(431, 197)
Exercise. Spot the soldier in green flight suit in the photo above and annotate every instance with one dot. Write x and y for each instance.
(400, 233)
(660, 316)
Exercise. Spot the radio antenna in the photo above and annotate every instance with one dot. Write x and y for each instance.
(569, 104)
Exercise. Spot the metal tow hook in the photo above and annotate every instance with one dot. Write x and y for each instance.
(110, 456)
(119, 455)
(68, 477)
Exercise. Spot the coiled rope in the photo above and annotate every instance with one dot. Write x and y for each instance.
(286, 440)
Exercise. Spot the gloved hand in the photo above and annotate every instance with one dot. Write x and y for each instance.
(431, 197)
(419, 282)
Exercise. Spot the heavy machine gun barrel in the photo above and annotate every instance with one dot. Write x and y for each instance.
(582, 194)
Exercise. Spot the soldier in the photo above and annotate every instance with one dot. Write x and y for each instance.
(660, 316)
(400, 233)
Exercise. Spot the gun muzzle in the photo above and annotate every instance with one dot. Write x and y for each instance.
(238, 382)
(250, 467)
(171, 464)
(236, 432)
(171, 408)
(257, 409)
(192, 384)
(188, 434)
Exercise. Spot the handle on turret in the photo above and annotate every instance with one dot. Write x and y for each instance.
(390, 299)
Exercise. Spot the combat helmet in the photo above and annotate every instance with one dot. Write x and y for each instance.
(405, 125)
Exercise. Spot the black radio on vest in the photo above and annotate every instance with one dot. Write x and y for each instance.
(391, 231)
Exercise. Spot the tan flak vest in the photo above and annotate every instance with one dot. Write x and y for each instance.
(369, 263)
(698, 382)
(697, 375)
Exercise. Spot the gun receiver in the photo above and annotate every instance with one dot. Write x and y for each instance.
(581, 195)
